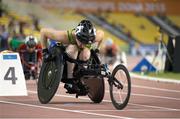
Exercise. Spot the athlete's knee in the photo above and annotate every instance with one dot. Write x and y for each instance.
(72, 50)
(85, 58)
(85, 54)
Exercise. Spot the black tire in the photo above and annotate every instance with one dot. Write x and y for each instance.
(96, 89)
(49, 79)
(124, 101)
(96, 85)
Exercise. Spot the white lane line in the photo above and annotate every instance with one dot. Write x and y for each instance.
(133, 75)
(151, 96)
(66, 110)
(83, 98)
(171, 109)
(144, 95)
(160, 89)
(154, 96)
(153, 88)
(131, 110)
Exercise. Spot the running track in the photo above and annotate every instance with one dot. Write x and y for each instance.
(149, 99)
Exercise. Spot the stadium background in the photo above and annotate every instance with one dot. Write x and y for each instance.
(134, 27)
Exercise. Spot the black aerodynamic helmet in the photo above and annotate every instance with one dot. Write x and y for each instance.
(85, 32)
(31, 41)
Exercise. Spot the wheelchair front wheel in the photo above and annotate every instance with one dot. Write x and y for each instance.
(120, 87)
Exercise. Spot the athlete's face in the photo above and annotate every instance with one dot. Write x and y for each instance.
(80, 45)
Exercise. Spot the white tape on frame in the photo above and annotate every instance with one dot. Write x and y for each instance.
(12, 81)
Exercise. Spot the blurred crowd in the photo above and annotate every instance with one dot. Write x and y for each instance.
(21, 34)
(18, 33)
(14, 31)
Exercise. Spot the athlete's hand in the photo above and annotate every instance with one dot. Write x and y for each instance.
(46, 55)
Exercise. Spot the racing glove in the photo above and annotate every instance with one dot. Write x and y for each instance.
(46, 55)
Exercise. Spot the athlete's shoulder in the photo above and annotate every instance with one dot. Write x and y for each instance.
(100, 32)
(22, 46)
(38, 46)
(99, 35)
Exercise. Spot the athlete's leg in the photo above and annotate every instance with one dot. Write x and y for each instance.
(72, 50)
(85, 54)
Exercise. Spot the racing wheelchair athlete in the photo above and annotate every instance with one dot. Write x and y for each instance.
(74, 62)
(31, 57)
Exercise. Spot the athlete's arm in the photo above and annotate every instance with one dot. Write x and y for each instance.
(47, 33)
(99, 37)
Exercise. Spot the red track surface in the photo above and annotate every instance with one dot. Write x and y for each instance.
(149, 99)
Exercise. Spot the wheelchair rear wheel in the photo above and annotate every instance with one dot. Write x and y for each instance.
(95, 88)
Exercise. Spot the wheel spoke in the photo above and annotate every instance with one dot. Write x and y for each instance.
(120, 94)
(121, 100)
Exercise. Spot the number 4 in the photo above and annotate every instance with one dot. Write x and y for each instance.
(12, 77)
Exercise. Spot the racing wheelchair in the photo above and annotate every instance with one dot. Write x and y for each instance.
(89, 78)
